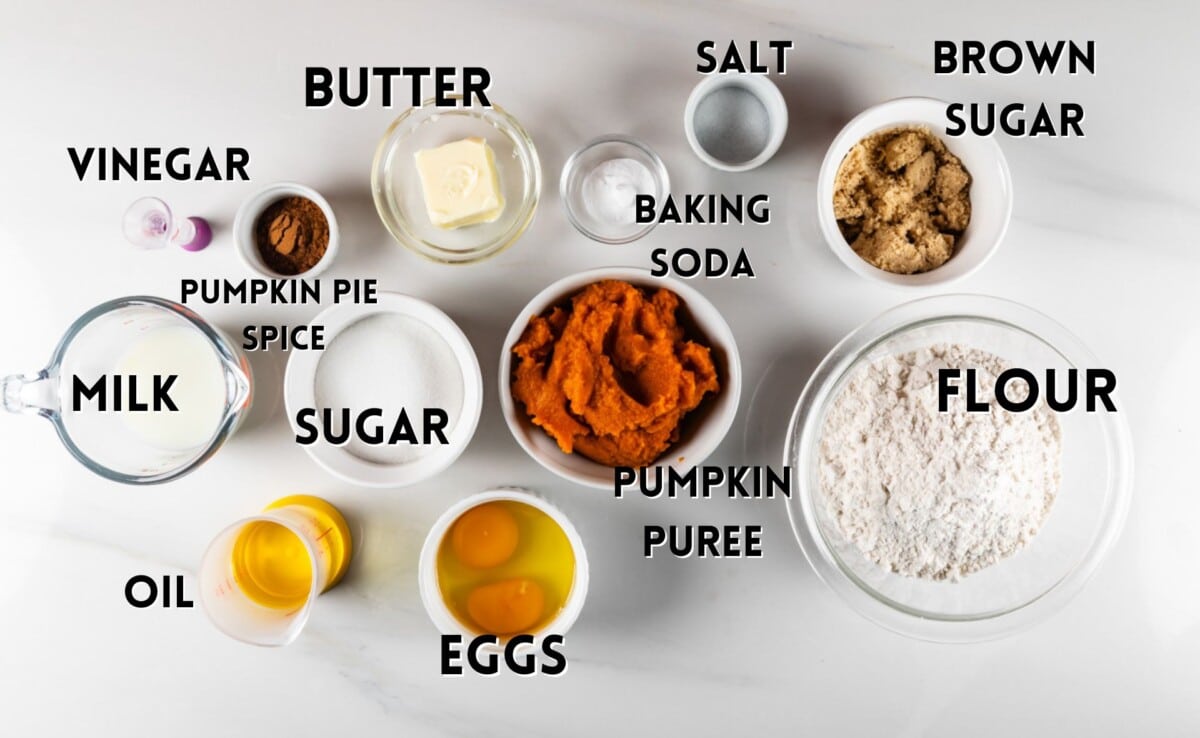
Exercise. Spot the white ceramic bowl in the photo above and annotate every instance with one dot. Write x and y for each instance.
(431, 591)
(767, 93)
(704, 428)
(247, 217)
(991, 190)
(300, 392)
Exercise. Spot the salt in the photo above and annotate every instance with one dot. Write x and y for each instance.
(391, 362)
(732, 125)
(610, 190)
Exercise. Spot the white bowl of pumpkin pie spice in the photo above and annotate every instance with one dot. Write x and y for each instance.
(886, 227)
(286, 230)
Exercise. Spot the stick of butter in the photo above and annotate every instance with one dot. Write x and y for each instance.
(460, 183)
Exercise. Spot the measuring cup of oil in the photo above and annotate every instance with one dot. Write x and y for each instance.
(140, 390)
(260, 576)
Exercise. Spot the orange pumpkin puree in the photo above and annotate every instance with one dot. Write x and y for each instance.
(612, 375)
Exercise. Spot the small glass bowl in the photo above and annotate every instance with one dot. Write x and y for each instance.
(396, 184)
(1018, 591)
(582, 162)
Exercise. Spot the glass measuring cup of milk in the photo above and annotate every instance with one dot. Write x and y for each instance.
(141, 390)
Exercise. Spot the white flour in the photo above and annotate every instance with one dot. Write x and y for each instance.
(936, 495)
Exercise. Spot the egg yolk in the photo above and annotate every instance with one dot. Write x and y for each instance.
(508, 607)
(485, 536)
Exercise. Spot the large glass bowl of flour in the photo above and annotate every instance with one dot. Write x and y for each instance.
(900, 556)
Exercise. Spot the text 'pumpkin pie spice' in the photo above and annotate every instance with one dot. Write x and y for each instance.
(612, 374)
(902, 200)
(292, 235)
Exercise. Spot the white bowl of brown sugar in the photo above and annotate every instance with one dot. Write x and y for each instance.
(286, 230)
(902, 203)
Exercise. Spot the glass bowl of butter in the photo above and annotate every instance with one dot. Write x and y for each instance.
(458, 184)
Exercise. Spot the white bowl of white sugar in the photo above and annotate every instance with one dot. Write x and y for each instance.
(394, 397)
(944, 522)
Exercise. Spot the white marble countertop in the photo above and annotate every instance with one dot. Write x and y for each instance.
(1102, 239)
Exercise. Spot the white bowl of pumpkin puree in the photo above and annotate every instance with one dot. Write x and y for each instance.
(615, 368)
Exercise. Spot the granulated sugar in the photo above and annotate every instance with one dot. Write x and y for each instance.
(929, 494)
(394, 363)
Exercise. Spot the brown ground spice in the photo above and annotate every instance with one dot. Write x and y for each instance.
(902, 200)
(292, 235)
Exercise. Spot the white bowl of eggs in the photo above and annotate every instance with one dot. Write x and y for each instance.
(503, 562)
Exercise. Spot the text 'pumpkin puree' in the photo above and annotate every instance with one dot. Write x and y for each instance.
(612, 374)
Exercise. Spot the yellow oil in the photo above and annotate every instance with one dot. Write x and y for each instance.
(271, 564)
(525, 590)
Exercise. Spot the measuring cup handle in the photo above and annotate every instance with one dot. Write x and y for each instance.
(25, 394)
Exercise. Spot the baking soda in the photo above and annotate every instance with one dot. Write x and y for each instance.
(610, 190)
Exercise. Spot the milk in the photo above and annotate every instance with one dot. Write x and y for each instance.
(199, 392)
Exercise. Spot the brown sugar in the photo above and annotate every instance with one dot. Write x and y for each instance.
(612, 374)
(902, 200)
(292, 234)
